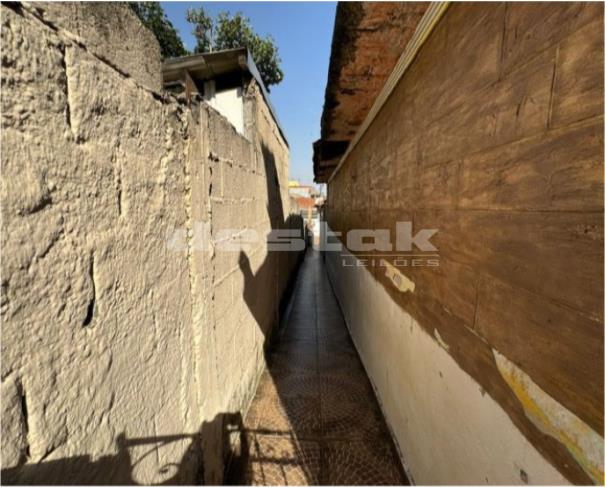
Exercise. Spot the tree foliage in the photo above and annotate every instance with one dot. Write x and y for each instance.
(227, 31)
(152, 15)
(202, 28)
(231, 31)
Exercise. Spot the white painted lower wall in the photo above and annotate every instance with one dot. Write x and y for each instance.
(447, 429)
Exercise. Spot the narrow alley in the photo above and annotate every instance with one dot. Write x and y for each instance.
(315, 419)
(302, 243)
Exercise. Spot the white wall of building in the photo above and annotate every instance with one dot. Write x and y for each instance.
(448, 430)
(228, 103)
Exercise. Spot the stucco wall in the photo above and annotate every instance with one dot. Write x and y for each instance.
(494, 137)
(127, 349)
(133, 52)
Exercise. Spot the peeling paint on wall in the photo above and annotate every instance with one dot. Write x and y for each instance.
(449, 431)
(555, 420)
(400, 281)
(440, 340)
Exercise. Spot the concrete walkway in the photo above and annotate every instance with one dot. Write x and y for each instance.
(315, 419)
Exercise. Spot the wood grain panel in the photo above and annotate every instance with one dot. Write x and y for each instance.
(556, 255)
(578, 87)
(562, 170)
(530, 29)
(494, 136)
(513, 108)
(561, 350)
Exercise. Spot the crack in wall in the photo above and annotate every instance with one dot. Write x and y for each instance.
(553, 83)
(190, 382)
(119, 193)
(90, 311)
(63, 50)
(68, 38)
(25, 415)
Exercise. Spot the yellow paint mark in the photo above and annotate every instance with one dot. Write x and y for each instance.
(553, 419)
(441, 341)
(400, 281)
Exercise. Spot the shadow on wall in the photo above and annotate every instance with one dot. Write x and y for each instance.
(118, 469)
(262, 304)
(256, 286)
(224, 438)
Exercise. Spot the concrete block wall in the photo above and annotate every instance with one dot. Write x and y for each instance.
(126, 348)
(494, 137)
(242, 284)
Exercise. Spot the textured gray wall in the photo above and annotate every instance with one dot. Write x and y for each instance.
(125, 353)
(110, 31)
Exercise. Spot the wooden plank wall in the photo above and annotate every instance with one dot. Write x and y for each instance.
(494, 137)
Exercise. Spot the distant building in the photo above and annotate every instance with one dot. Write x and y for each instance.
(306, 206)
(303, 190)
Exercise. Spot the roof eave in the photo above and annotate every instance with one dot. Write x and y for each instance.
(207, 65)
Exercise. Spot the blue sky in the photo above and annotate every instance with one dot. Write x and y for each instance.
(303, 33)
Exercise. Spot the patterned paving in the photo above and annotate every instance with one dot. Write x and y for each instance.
(315, 419)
